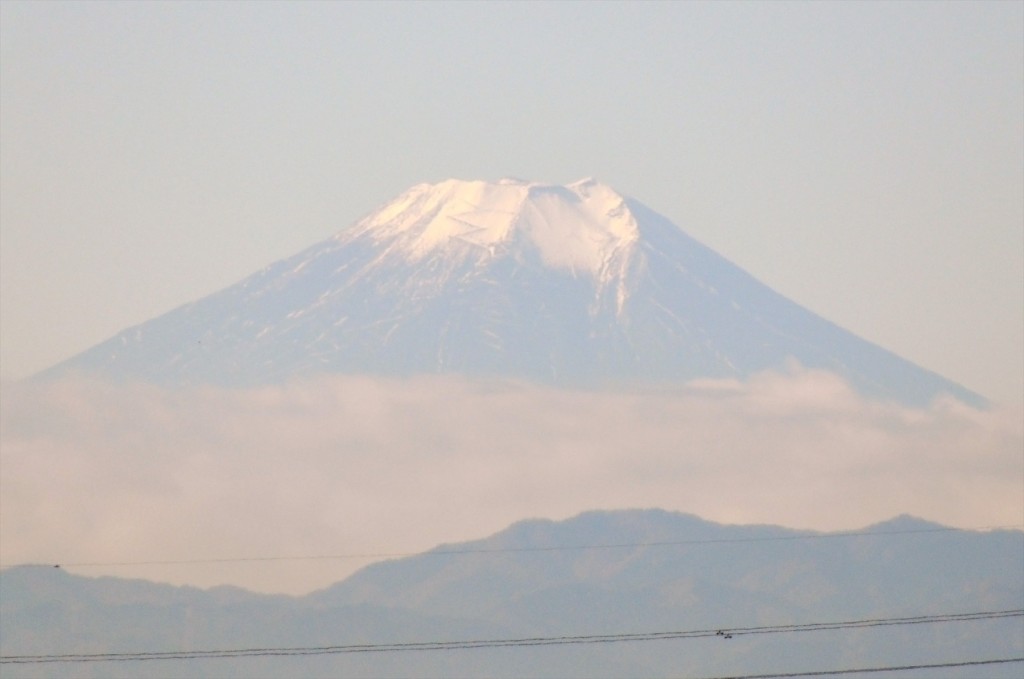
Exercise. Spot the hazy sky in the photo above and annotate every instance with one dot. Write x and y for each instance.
(864, 159)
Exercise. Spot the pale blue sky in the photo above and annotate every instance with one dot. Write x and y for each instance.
(864, 159)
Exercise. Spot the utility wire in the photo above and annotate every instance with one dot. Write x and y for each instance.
(868, 670)
(508, 550)
(724, 633)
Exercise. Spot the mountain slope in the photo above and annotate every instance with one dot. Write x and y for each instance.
(571, 284)
(598, 573)
(653, 561)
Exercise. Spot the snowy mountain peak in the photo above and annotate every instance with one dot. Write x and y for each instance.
(583, 227)
(569, 284)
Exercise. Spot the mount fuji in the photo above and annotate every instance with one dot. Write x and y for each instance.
(569, 285)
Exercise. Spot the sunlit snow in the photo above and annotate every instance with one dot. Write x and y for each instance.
(582, 227)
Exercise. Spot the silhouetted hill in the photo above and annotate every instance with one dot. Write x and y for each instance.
(598, 573)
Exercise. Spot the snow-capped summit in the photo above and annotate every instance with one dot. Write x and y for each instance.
(573, 284)
(582, 227)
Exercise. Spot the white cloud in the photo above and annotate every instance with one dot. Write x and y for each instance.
(93, 472)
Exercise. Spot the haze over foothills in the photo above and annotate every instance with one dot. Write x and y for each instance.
(866, 161)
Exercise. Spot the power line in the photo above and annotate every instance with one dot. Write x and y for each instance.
(504, 550)
(868, 670)
(725, 633)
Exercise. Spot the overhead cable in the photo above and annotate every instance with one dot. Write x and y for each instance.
(724, 633)
(869, 670)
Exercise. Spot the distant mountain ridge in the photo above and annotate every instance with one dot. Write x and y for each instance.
(571, 285)
(606, 572)
(612, 551)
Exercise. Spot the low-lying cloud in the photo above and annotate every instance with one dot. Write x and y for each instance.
(93, 472)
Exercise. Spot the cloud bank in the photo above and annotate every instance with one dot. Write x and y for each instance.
(93, 472)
